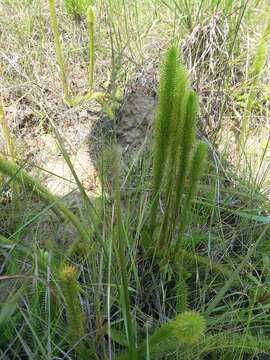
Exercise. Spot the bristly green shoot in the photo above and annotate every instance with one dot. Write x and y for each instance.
(179, 111)
(196, 171)
(162, 126)
(75, 317)
(187, 329)
(174, 140)
(186, 142)
(177, 167)
(176, 125)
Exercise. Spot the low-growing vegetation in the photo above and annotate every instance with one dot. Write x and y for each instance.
(156, 248)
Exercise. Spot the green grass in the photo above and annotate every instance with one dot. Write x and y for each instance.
(171, 259)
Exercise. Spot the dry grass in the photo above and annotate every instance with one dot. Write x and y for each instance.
(131, 36)
(217, 49)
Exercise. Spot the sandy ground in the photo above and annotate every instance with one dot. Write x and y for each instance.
(32, 95)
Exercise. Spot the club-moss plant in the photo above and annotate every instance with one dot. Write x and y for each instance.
(75, 317)
(175, 130)
(161, 126)
(186, 329)
(196, 171)
(68, 98)
(177, 167)
(186, 142)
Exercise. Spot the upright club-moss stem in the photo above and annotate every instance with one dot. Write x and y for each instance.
(186, 143)
(186, 329)
(58, 49)
(174, 139)
(90, 24)
(75, 316)
(162, 127)
(196, 171)
(173, 153)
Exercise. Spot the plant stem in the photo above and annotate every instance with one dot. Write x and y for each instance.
(58, 49)
(23, 178)
(90, 24)
(120, 236)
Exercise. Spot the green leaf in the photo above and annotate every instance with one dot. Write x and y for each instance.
(118, 337)
(258, 218)
(8, 309)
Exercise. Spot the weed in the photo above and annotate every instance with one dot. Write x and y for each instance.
(75, 317)
(32, 185)
(166, 263)
(58, 50)
(77, 8)
(68, 98)
(174, 137)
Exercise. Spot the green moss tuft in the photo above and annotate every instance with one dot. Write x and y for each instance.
(75, 318)
(188, 327)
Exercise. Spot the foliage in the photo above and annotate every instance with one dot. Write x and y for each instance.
(75, 317)
(68, 98)
(77, 8)
(174, 137)
(171, 259)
